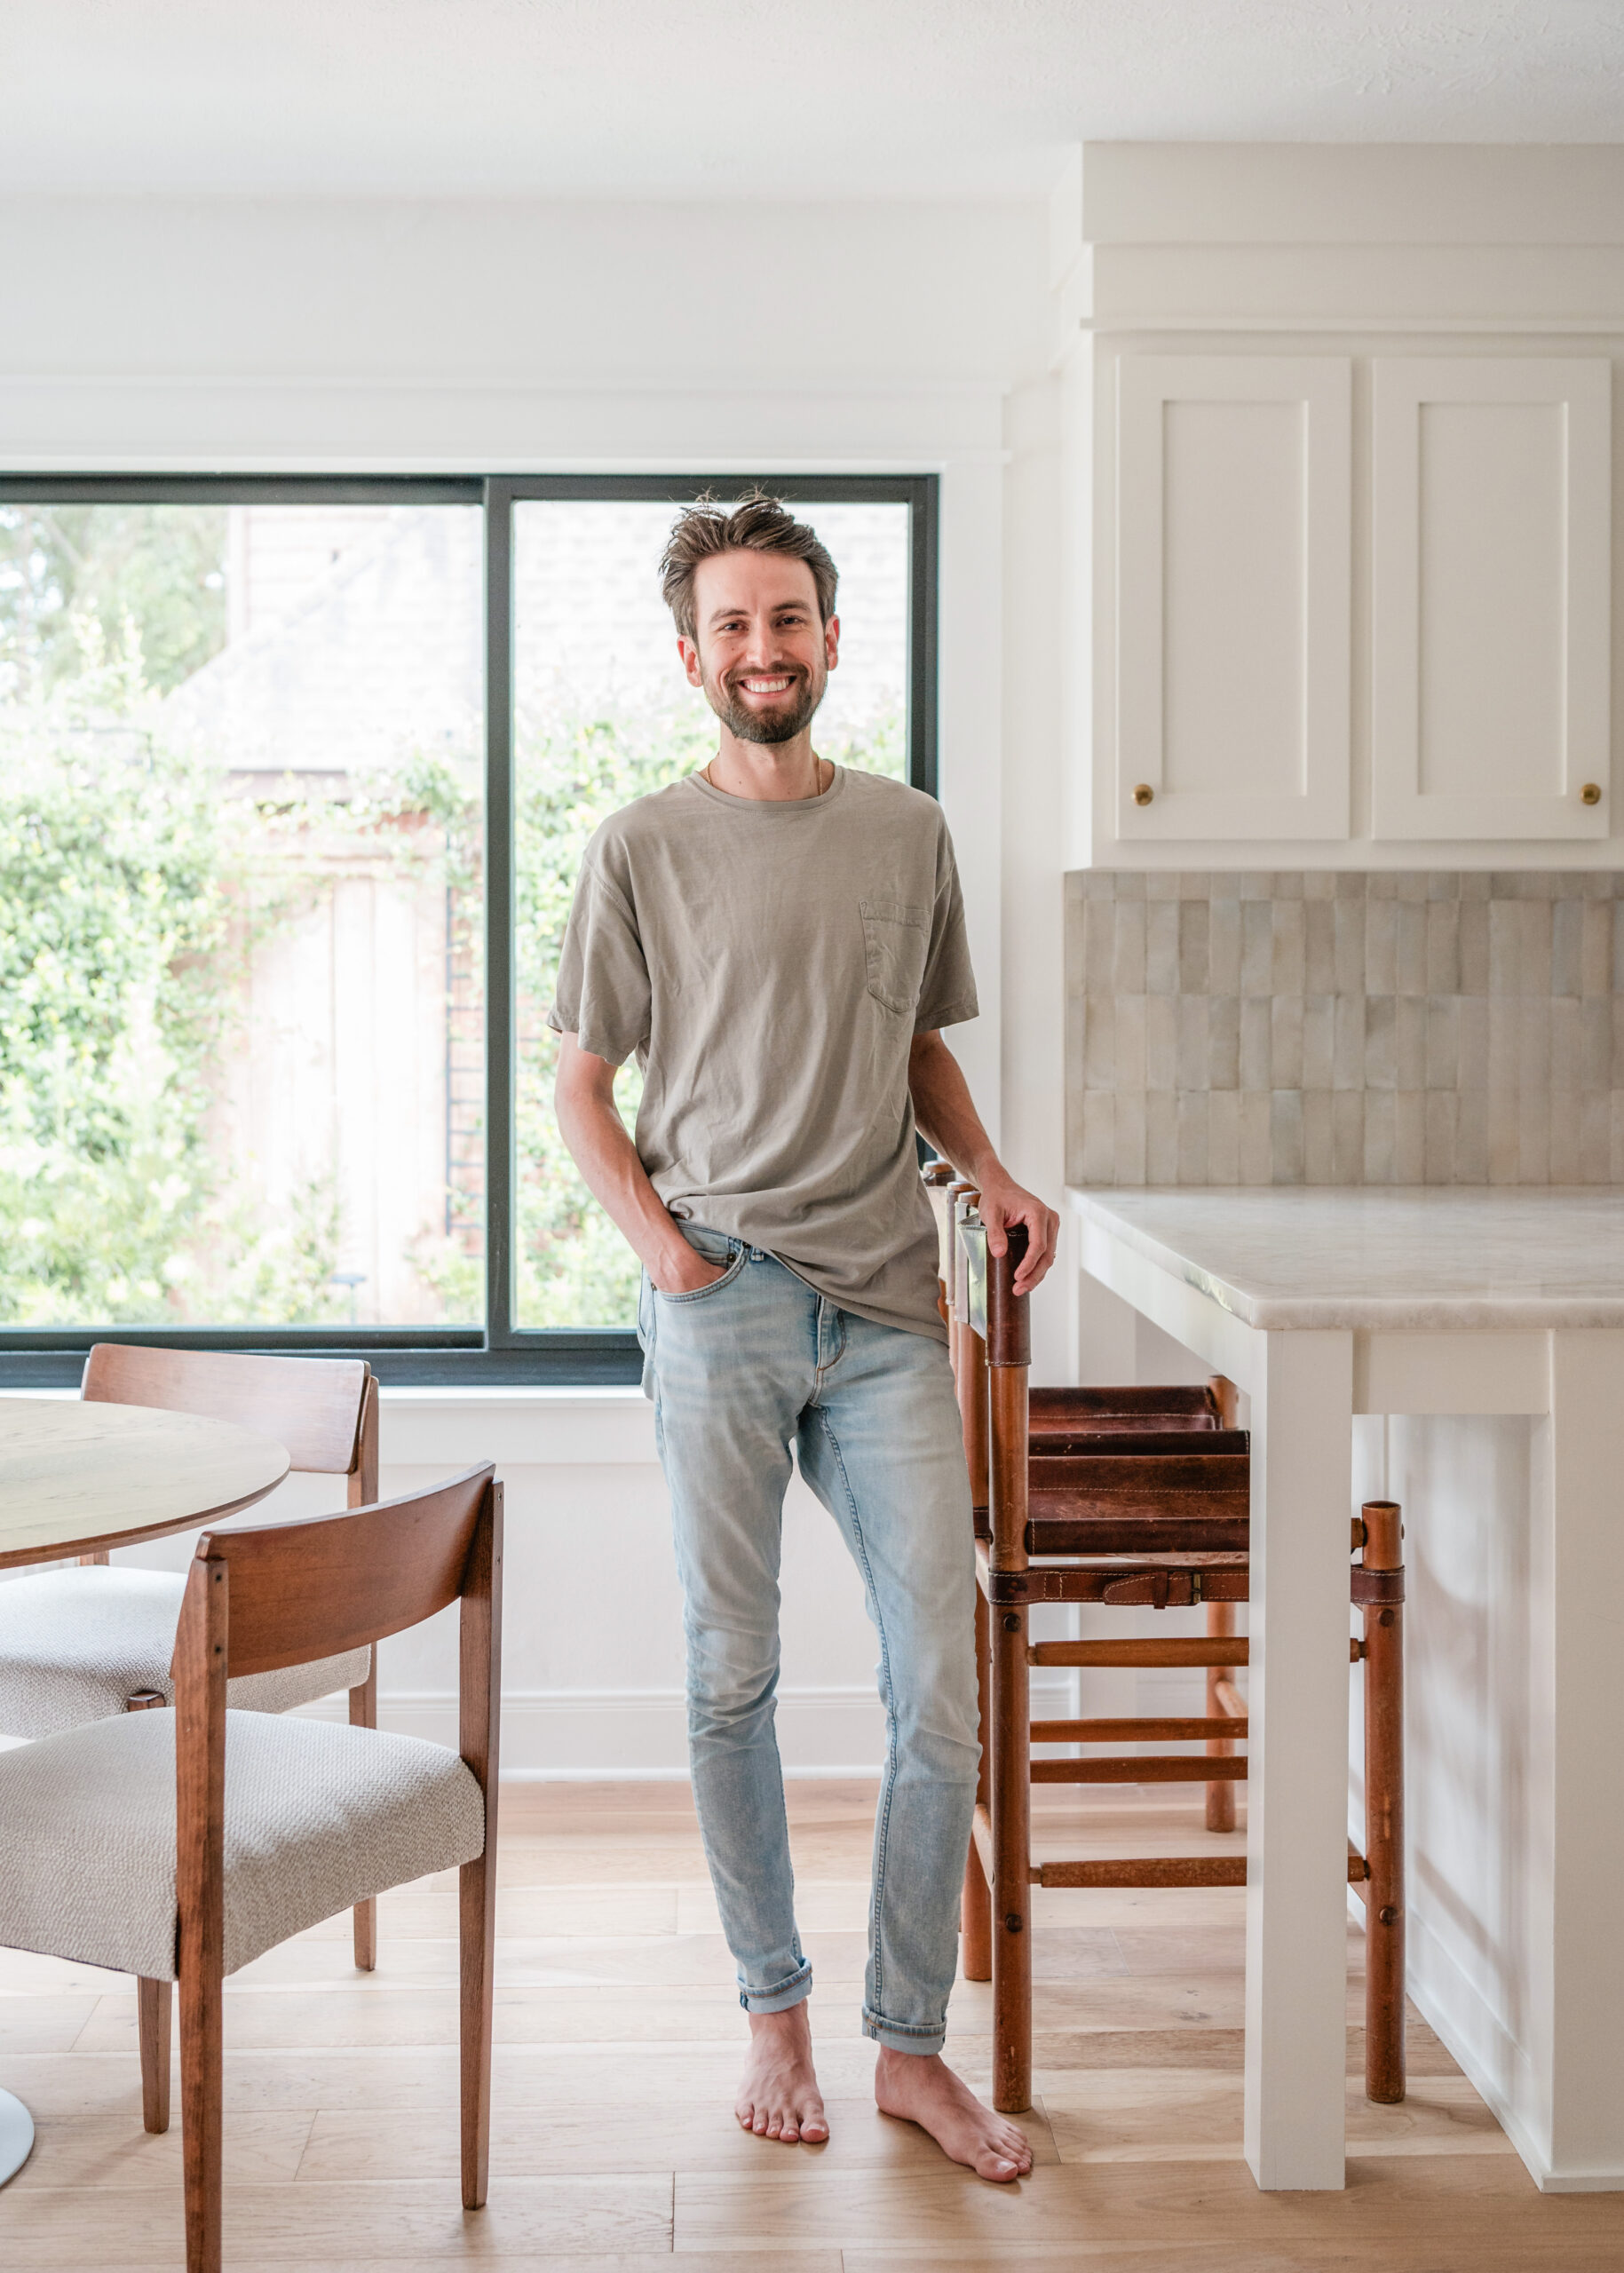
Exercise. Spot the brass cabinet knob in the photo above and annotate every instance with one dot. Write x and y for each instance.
(1591, 794)
(1144, 793)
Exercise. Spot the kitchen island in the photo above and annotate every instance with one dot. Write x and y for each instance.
(1460, 1351)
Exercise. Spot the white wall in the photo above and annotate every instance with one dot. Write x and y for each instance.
(139, 334)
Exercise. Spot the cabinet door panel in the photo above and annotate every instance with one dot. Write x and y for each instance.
(1232, 646)
(1489, 628)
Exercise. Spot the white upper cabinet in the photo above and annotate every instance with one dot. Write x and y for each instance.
(1233, 658)
(1490, 586)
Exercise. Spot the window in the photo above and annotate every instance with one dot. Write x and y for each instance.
(294, 781)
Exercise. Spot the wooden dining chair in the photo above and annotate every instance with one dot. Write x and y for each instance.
(1085, 1502)
(77, 1644)
(185, 1844)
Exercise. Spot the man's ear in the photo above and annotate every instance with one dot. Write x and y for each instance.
(689, 652)
(831, 643)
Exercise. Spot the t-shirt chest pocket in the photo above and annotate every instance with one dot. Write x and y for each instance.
(895, 938)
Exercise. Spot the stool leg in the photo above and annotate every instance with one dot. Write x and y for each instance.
(1384, 1904)
(1220, 1797)
(976, 1909)
(363, 1714)
(1011, 1864)
(155, 2000)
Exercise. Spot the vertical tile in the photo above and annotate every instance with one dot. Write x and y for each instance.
(1129, 1148)
(1318, 1042)
(1533, 1030)
(1595, 1044)
(1129, 1044)
(1618, 946)
(1099, 1043)
(1379, 1117)
(1471, 1138)
(1161, 884)
(1194, 968)
(1443, 1037)
(1596, 947)
(1319, 884)
(1348, 1135)
(1381, 1065)
(1161, 1138)
(1595, 1137)
(1348, 1043)
(1502, 1131)
(1099, 945)
(1409, 1137)
(1566, 1042)
(1286, 1043)
(1534, 949)
(1256, 883)
(1562, 1164)
(1443, 884)
(1443, 946)
(1286, 1137)
(1224, 1137)
(1616, 1153)
(1350, 947)
(1474, 883)
(1129, 883)
(1474, 944)
(1191, 1117)
(1161, 1041)
(1412, 886)
(1351, 883)
(1534, 1136)
(1223, 946)
(1075, 936)
(1504, 1034)
(1380, 945)
(1505, 947)
(1191, 1067)
(1567, 922)
(1410, 946)
(1256, 1151)
(1319, 946)
(1289, 964)
(1410, 1042)
(1616, 1007)
(1257, 947)
(1443, 1109)
(1223, 1042)
(1097, 883)
(1285, 884)
(1098, 1161)
(1472, 1042)
(1128, 957)
(1255, 1020)
(1318, 1151)
(1161, 946)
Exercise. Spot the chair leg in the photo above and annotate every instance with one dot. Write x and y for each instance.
(154, 1999)
(154, 2002)
(976, 1908)
(1011, 1864)
(1384, 1906)
(363, 1714)
(201, 2095)
(477, 1925)
(1220, 1797)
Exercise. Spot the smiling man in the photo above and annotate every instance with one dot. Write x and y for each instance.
(780, 940)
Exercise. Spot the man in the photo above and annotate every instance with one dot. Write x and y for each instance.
(780, 940)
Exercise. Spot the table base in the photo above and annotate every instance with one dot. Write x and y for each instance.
(16, 2135)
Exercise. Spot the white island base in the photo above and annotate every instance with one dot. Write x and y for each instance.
(1462, 1352)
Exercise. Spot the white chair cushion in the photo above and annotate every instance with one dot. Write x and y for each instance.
(76, 1646)
(317, 1818)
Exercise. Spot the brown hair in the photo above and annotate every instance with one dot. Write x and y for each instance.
(757, 523)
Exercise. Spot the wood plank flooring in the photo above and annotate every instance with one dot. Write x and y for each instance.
(618, 2037)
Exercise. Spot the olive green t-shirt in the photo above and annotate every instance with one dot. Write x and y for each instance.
(770, 964)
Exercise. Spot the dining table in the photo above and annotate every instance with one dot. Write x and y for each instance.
(79, 1478)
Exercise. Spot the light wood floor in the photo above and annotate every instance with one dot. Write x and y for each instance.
(618, 2037)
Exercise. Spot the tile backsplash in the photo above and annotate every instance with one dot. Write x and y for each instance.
(1340, 1028)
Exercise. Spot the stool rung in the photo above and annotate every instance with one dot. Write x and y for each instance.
(1210, 1650)
(1147, 1870)
(1141, 1732)
(1144, 1768)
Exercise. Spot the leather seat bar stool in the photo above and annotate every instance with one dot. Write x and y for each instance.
(1153, 1529)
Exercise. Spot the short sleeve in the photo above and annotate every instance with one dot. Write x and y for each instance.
(603, 992)
(947, 993)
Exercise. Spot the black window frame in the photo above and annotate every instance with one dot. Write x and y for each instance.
(500, 1353)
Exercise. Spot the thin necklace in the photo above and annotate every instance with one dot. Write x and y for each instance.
(818, 792)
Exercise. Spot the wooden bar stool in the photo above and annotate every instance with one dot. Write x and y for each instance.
(1136, 1498)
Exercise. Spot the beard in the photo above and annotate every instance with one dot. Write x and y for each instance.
(780, 725)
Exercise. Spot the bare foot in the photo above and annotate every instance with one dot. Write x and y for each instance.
(779, 2097)
(921, 2088)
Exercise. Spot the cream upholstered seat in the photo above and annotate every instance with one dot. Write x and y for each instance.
(317, 1818)
(77, 1645)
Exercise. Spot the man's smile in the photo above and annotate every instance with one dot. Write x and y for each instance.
(767, 686)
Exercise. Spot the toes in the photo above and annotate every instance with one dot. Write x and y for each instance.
(997, 2167)
(814, 2130)
(759, 2127)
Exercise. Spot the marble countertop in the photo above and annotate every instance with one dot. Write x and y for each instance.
(1395, 1259)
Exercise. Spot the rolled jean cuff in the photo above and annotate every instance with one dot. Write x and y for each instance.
(904, 2036)
(781, 1996)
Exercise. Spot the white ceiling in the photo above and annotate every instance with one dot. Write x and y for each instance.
(712, 97)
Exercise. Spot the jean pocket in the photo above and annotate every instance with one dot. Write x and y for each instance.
(704, 1294)
(895, 940)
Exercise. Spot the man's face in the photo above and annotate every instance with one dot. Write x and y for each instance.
(762, 655)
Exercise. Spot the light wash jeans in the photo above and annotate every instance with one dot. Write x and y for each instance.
(740, 1372)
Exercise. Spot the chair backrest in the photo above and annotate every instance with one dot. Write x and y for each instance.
(317, 1407)
(325, 1584)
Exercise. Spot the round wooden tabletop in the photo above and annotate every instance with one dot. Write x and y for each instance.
(76, 1477)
